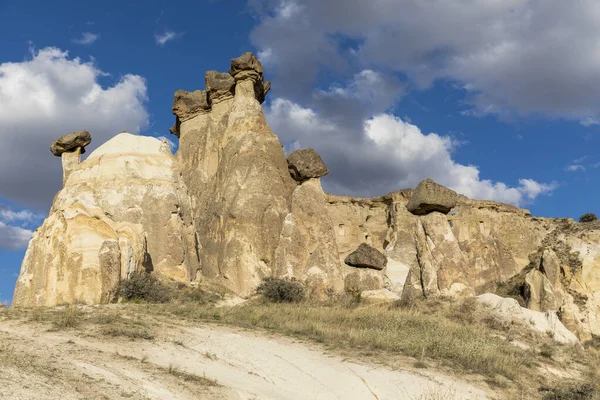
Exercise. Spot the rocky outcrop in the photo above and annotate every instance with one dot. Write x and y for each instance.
(231, 208)
(71, 142)
(307, 247)
(306, 164)
(237, 177)
(546, 323)
(366, 257)
(430, 196)
(70, 148)
(123, 209)
(246, 67)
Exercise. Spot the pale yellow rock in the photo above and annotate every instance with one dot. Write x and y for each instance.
(540, 294)
(546, 323)
(122, 209)
(70, 161)
(237, 176)
(307, 247)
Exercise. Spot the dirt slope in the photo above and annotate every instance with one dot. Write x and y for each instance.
(39, 363)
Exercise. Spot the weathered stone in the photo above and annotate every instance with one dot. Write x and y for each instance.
(246, 66)
(71, 142)
(227, 206)
(306, 164)
(430, 196)
(366, 257)
(545, 323)
(124, 208)
(237, 177)
(359, 280)
(220, 86)
(188, 104)
(307, 248)
(540, 295)
(70, 161)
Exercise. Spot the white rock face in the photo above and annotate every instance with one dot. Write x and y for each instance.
(123, 209)
(544, 322)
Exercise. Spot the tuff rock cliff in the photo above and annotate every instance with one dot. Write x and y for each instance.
(229, 207)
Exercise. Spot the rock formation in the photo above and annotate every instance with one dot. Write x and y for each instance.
(366, 257)
(306, 164)
(123, 209)
(70, 148)
(231, 208)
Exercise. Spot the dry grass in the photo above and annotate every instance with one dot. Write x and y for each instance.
(187, 377)
(377, 328)
(457, 336)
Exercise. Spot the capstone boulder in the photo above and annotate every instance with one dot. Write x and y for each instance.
(366, 257)
(430, 196)
(306, 164)
(71, 142)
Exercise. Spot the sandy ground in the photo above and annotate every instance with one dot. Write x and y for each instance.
(70, 364)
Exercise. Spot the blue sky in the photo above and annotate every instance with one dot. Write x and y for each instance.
(496, 99)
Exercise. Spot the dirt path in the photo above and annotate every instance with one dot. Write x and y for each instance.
(247, 365)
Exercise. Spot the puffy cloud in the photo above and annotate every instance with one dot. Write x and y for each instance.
(166, 36)
(21, 216)
(385, 153)
(86, 38)
(47, 96)
(13, 237)
(509, 56)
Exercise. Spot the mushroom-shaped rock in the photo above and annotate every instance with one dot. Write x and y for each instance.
(366, 257)
(219, 86)
(71, 142)
(305, 164)
(246, 66)
(188, 104)
(430, 196)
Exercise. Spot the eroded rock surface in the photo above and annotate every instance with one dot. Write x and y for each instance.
(123, 209)
(306, 164)
(430, 196)
(71, 142)
(366, 257)
(231, 208)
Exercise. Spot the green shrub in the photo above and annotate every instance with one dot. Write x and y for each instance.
(589, 217)
(579, 392)
(142, 286)
(281, 290)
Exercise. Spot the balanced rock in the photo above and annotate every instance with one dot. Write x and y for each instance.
(220, 86)
(246, 66)
(306, 164)
(71, 142)
(188, 104)
(430, 196)
(366, 257)
(124, 209)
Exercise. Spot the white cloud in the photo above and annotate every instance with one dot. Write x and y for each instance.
(86, 38)
(21, 216)
(167, 36)
(574, 168)
(13, 237)
(509, 56)
(385, 153)
(47, 96)
(589, 122)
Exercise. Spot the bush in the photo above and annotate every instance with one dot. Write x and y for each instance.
(142, 286)
(581, 392)
(281, 290)
(589, 217)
